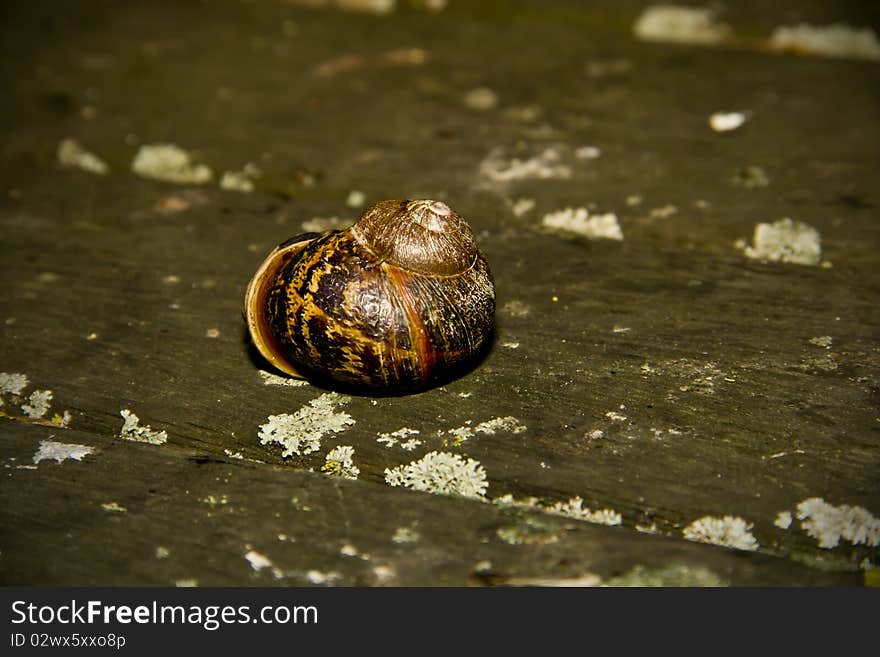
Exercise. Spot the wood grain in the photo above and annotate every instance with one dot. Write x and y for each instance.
(666, 377)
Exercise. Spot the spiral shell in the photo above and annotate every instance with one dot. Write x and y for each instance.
(399, 301)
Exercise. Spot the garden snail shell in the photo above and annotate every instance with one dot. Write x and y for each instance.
(399, 301)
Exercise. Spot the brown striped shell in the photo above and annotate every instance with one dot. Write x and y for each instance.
(399, 301)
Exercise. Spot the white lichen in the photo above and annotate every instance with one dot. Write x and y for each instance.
(12, 384)
(355, 198)
(543, 166)
(321, 578)
(480, 99)
(186, 583)
(350, 550)
(574, 508)
(579, 221)
(384, 574)
(72, 154)
(522, 206)
(241, 181)
(672, 23)
(508, 423)
(405, 535)
(663, 212)
(727, 121)
(824, 341)
(828, 523)
(443, 473)
(339, 463)
(675, 575)
(169, 163)
(62, 420)
(410, 444)
(783, 520)
(215, 500)
(131, 430)
(692, 376)
(367, 6)
(37, 404)
(301, 432)
(587, 152)
(390, 439)
(50, 449)
(786, 241)
(460, 434)
(508, 500)
(271, 379)
(457, 435)
(257, 561)
(838, 40)
(260, 562)
(531, 530)
(728, 531)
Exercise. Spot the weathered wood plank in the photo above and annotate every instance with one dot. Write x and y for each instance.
(701, 368)
(129, 514)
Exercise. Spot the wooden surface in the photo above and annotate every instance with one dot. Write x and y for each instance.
(707, 373)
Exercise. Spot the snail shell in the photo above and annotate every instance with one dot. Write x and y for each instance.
(399, 301)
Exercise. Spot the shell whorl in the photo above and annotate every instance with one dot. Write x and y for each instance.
(423, 236)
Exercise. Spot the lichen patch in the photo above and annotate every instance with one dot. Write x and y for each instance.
(399, 437)
(12, 384)
(675, 575)
(339, 463)
(828, 524)
(728, 531)
(73, 155)
(260, 562)
(837, 40)
(300, 433)
(57, 451)
(727, 121)
(678, 24)
(783, 520)
(271, 379)
(786, 241)
(169, 163)
(132, 430)
(574, 508)
(406, 535)
(443, 473)
(241, 181)
(37, 404)
(547, 164)
(579, 221)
